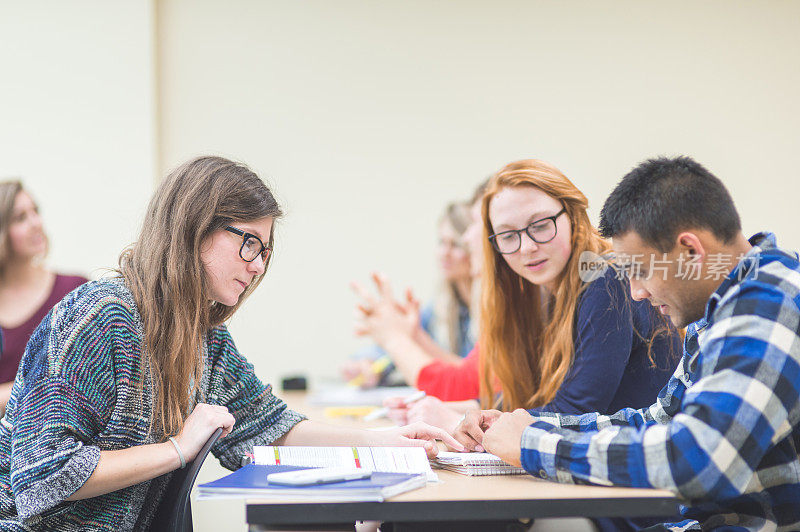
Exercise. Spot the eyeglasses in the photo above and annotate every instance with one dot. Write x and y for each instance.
(541, 231)
(252, 246)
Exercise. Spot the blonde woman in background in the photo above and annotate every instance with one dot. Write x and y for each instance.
(443, 329)
(28, 289)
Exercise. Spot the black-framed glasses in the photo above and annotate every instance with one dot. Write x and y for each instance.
(540, 231)
(252, 246)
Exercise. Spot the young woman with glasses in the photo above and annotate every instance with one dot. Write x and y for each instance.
(550, 340)
(127, 377)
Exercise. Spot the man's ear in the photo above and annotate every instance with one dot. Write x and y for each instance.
(690, 243)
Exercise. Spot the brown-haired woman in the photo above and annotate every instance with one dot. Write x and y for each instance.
(129, 376)
(28, 290)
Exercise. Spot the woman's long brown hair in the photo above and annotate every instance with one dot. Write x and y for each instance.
(526, 339)
(164, 272)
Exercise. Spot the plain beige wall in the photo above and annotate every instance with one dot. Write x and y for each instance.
(77, 121)
(367, 117)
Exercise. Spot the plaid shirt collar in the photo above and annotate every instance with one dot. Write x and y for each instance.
(745, 268)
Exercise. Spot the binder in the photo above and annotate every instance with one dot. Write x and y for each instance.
(251, 482)
(476, 464)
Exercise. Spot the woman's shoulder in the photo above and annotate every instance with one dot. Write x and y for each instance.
(63, 285)
(69, 282)
(77, 335)
(95, 298)
(608, 287)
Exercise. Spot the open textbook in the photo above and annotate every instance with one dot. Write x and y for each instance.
(383, 459)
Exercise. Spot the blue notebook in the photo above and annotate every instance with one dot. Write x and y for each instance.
(251, 482)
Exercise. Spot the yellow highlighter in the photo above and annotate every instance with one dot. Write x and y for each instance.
(377, 367)
(348, 411)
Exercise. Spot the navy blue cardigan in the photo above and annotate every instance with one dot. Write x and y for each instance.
(611, 369)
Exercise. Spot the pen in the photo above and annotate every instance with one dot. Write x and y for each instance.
(376, 367)
(381, 412)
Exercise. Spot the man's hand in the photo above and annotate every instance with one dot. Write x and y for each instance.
(470, 431)
(503, 437)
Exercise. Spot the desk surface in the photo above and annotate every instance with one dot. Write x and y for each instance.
(466, 498)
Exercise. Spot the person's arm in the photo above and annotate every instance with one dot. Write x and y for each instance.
(429, 345)
(408, 356)
(263, 419)
(5, 394)
(740, 405)
(313, 433)
(458, 381)
(126, 467)
(69, 388)
(471, 430)
(430, 410)
(392, 326)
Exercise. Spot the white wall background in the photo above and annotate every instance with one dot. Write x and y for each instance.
(368, 117)
(77, 121)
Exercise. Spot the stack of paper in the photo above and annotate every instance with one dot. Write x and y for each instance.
(476, 464)
(251, 482)
(382, 459)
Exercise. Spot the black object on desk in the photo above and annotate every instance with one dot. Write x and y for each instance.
(294, 382)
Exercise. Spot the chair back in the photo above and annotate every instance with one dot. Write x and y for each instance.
(174, 514)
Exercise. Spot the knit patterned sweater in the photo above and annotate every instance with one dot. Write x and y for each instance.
(78, 392)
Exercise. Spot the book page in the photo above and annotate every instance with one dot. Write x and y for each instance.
(384, 459)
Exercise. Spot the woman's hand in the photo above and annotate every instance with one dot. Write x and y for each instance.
(383, 317)
(418, 435)
(199, 427)
(470, 431)
(430, 410)
(504, 437)
(360, 369)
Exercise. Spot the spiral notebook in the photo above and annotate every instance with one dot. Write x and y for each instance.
(475, 464)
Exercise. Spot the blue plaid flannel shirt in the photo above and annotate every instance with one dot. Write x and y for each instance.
(724, 432)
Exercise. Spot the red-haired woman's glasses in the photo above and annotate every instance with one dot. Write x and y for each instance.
(541, 231)
(252, 246)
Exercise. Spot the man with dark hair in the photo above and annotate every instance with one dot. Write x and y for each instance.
(725, 431)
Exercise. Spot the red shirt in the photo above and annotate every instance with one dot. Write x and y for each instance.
(15, 339)
(452, 381)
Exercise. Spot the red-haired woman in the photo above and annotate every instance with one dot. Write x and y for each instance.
(549, 340)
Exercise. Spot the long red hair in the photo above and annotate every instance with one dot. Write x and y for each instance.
(526, 338)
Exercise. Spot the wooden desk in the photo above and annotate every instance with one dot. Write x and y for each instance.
(464, 498)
